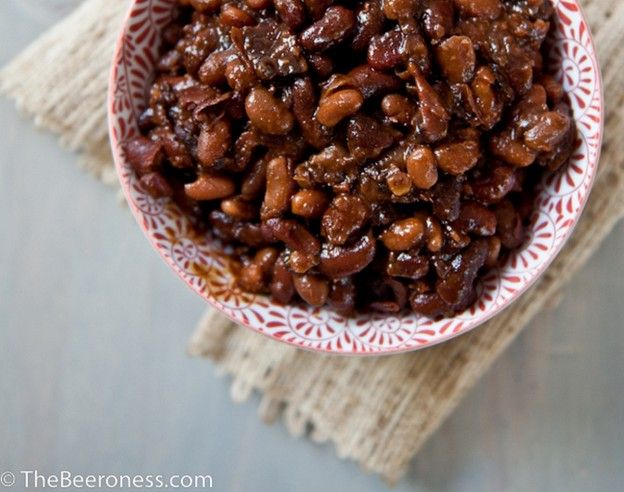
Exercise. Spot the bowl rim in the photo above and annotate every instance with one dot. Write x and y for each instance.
(556, 250)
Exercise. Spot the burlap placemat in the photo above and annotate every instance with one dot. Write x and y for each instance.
(377, 411)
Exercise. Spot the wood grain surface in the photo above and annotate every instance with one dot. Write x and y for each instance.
(94, 378)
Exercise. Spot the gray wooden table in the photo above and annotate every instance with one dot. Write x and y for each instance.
(94, 376)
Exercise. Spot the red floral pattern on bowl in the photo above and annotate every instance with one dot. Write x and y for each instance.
(202, 265)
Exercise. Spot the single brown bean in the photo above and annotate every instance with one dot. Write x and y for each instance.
(251, 234)
(336, 82)
(512, 151)
(250, 278)
(446, 199)
(428, 304)
(438, 18)
(247, 147)
(476, 219)
(233, 16)
(563, 151)
(293, 234)
(387, 50)
(210, 186)
(267, 113)
(221, 225)
(304, 106)
(509, 227)
(457, 59)
(256, 275)
(333, 108)
(422, 167)
(494, 245)
(495, 185)
(399, 109)
(457, 158)
(404, 234)
(399, 183)
(322, 64)
(212, 71)
(554, 90)
(214, 142)
(255, 180)
(258, 4)
(193, 54)
(266, 258)
(434, 234)
(313, 289)
(342, 295)
(299, 262)
(547, 132)
(528, 109)
(309, 203)
(372, 83)
(240, 209)
(292, 12)
(282, 287)
(342, 261)
(368, 23)
(279, 188)
(334, 27)
(240, 76)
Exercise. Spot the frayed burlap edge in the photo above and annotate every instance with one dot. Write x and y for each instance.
(377, 411)
(61, 81)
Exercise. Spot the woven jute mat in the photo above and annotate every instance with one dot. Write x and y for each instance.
(377, 411)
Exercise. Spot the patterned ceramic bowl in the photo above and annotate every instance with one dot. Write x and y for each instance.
(200, 263)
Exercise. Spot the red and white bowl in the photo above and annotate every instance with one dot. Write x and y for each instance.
(203, 266)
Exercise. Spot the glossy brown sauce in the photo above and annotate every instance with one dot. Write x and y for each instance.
(357, 154)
